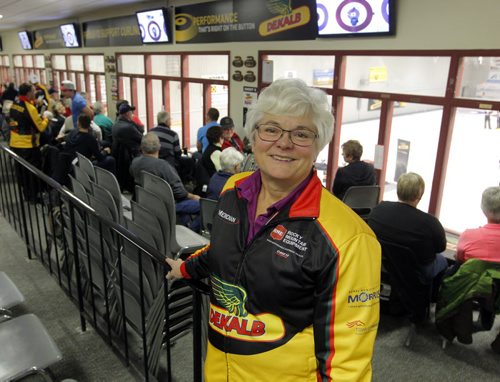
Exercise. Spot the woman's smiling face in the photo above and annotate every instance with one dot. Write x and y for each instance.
(284, 161)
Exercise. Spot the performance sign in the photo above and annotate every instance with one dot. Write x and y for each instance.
(243, 20)
(118, 31)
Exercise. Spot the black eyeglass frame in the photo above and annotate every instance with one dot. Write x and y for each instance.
(289, 134)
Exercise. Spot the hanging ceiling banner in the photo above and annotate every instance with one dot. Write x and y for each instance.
(118, 31)
(244, 20)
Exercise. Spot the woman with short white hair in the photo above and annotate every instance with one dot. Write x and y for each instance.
(230, 162)
(294, 272)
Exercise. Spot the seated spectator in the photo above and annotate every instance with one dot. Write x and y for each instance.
(231, 139)
(82, 141)
(483, 243)
(57, 120)
(134, 117)
(102, 121)
(211, 156)
(126, 143)
(10, 93)
(230, 161)
(170, 147)
(209, 163)
(68, 126)
(356, 173)
(402, 223)
(187, 205)
(201, 136)
(54, 96)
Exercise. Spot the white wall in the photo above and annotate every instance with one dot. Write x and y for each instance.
(421, 24)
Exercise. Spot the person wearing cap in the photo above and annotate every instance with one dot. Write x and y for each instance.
(78, 103)
(135, 118)
(231, 139)
(126, 144)
(202, 141)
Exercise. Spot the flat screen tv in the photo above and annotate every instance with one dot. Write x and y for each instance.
(1, 46)
(154, 26)
(356, 18)
(71, 35)
(26, 41)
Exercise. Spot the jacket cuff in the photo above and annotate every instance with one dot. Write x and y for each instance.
(184, 272)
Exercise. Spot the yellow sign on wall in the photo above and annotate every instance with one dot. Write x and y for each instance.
(378, 74)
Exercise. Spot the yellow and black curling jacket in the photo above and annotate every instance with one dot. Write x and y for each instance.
(25, 125)
(300, 302)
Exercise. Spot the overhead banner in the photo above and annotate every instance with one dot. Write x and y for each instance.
(243, 20)
(118, 31)
(49, 38)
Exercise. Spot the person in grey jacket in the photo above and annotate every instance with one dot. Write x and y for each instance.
(187, 205)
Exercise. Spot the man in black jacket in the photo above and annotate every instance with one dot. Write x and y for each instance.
(82, 141)
(126, 142)
(402, 223)
(356, 173)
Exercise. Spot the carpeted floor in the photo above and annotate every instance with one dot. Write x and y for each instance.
(88, 358)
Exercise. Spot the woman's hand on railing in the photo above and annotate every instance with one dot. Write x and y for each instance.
(175, 265)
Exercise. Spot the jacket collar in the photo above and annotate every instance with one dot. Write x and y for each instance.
(307, 205)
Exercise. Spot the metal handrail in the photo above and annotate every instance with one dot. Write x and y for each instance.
(197, 286)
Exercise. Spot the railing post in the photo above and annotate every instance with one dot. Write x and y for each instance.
(23, 210)
(77, 266)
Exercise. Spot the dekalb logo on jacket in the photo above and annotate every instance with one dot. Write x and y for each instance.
(234, 321)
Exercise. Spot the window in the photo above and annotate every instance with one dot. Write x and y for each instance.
(184, 84)
(481, 78)
(30, 64)
(4, 69)
(473, 165)
(401, 102)
(413, 147)
(404, 75)
(315, 70)
(86, 71)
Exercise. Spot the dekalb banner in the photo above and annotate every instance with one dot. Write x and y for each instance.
(118, 31)
(244, 20)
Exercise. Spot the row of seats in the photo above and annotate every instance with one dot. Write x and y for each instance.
(26, 346)
(111, 265)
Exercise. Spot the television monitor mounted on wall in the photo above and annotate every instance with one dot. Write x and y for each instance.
(154, 26)
(356, 18)
(71, 35)
(26, 41)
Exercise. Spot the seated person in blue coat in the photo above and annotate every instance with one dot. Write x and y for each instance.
(230, 162)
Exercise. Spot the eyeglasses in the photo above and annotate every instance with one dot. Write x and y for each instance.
(299, 137)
